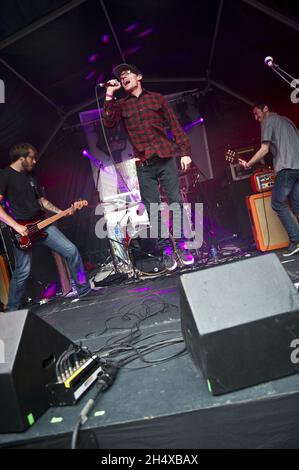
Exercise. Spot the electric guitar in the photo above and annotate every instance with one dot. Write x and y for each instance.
(35, 227)
(233, 156)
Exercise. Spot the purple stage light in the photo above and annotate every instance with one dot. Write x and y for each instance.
(132, 50)
(139, 289)
(192, 124)
(131, 27)
(97, 162)
(166, 291)
(90, 75)
(100, 78)
(92, 58)
(147, 32)
(81, 277)
(50, 291)
(105, 38)
(168, 251)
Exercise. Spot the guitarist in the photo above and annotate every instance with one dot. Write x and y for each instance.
(281, 137)
(23, 200)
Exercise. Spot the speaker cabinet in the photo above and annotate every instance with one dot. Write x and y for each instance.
(239, 321)
(29, 350)
(235, 209)
(268, 231)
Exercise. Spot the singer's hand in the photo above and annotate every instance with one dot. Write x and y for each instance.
(115, 85)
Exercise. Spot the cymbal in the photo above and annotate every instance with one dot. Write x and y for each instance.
(120, 204)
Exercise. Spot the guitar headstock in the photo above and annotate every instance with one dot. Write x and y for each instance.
(231, 156)
(78, 205)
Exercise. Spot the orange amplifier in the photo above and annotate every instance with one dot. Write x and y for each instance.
(268, 231)
(262, 180)
(4, 281)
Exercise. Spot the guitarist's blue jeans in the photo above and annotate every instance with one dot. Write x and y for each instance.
(56, 241)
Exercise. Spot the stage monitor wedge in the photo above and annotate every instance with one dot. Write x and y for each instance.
(239, 322)
(29, 350)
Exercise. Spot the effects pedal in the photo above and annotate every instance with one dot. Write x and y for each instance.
(262, 181)
(74, 382)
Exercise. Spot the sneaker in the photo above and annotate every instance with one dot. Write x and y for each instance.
(292, 249)
(93, 294)
(169, 260)
(185, 256)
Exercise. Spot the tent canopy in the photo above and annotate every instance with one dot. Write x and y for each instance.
(53, 53)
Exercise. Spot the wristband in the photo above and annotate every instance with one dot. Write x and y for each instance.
(109, 96)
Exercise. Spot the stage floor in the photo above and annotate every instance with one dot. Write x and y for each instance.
(165, 405)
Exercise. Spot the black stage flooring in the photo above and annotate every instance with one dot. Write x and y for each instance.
(165, 405)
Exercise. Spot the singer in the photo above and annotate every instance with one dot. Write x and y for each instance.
(281, 137)
(144, 115)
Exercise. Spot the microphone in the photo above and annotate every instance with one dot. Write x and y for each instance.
(270, 61)
(106, 85)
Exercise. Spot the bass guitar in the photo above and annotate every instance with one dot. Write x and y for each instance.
(35, 226)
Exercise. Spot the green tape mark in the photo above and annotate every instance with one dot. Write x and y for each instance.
(55, 420)
(209, 386)
(30, 419)
(99, 413)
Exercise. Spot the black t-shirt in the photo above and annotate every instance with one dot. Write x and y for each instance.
(21, 193)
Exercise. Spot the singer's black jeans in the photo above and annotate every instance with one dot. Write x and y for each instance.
(163, 172)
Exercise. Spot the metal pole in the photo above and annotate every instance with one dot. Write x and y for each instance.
(39, 23)
(231, 92)
(51, 137)
(214, 39)
(174, 80)
(273, 13)
(113, 31)
(30, 85)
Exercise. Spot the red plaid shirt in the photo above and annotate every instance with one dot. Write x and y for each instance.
(145, 118)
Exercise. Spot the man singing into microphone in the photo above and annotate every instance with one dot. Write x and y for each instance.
(144, 115)
(281, 137)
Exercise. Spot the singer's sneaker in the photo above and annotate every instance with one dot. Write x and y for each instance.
(185, 256)
(292, 249)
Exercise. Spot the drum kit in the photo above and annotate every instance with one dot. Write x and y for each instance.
(133, 252)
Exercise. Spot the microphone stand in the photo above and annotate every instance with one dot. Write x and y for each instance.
(283, 74)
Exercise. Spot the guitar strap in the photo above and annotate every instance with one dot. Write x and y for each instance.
(36, 188)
